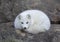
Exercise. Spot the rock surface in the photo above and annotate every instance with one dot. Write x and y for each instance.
(11, 8)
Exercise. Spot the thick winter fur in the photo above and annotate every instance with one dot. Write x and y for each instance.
(32, 21)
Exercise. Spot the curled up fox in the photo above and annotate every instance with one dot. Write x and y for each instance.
(32, 21)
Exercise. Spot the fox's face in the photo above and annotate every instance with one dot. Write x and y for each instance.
(25, 21)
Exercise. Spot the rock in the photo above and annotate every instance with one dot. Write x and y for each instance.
(7, 8)
(11, 8)
(3, 18)
(6, 30)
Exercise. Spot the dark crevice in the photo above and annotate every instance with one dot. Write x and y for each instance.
(52, 22)
(5, 21)
(57, 22)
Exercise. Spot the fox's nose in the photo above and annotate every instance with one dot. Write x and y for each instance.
(24, 27)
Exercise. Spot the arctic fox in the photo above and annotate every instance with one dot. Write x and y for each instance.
(32, 21)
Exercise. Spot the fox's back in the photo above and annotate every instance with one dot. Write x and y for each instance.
(36, 15)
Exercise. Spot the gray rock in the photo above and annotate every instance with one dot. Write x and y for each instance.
(11, 8)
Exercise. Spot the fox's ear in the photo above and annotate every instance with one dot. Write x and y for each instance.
(28, 16)
(19, 16)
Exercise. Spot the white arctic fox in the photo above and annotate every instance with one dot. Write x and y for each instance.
(32, 21)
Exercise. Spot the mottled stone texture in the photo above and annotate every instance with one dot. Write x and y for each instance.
(9, 9)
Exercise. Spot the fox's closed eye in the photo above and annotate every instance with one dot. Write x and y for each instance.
(26, 22)
(22, 23)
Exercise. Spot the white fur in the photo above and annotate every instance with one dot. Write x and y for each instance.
(39, 21)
